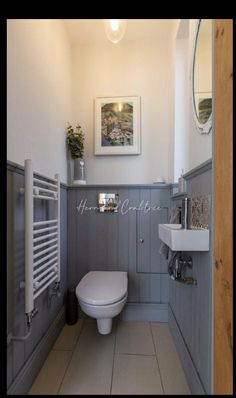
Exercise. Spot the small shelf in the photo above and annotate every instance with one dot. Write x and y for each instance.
(179, 239)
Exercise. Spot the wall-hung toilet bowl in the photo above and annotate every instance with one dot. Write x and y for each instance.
(102, 295)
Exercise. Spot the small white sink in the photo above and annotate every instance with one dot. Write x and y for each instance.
(179, 239)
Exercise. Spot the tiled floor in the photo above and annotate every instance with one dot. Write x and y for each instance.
(136, 358)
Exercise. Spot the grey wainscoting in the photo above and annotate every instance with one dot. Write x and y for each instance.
(111, 241)
(191, 307)
(20, 353)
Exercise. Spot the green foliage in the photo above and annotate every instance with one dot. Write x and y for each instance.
(75, 141)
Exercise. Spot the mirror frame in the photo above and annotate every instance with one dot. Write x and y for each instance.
(203, 128)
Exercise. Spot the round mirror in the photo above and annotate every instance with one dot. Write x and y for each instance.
(202, 76)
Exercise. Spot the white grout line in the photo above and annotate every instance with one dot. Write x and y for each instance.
(64, 373)
(72, 353)
(157, 359)
(139, 355)
(114, 353)
(79, 334)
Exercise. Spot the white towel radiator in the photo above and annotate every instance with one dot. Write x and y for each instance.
(42, 239)
(42, 242)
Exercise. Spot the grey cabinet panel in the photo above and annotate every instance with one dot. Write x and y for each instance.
(80, 239)
(148, 242)
(123, 234)
(200, 184)
(10, 263)
(144, 288)
(102, 237)
(132, 215)
(143, 233)
(102, 242)
(158, 263)
(192, 305)
(201, 319)
(164, 287)
(93, 231)
(110, 241)
(64, 253)
(155, 288)
(18, 271)
(149, 288)
(71, 234)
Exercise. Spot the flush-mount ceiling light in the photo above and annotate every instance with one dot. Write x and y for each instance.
(115, 29)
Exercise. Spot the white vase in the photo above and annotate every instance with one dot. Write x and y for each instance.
(79, 172)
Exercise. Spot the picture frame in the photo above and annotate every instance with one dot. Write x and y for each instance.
(117, 126)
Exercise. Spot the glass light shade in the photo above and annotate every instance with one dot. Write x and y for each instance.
(115, 29)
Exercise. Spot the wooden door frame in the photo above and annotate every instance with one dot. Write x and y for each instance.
(223, 205)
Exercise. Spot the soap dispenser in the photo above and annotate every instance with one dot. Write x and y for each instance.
(181, 182)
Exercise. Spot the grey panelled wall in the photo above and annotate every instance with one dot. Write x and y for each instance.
(111, 241)
(19, 352)
(128, 241)
(191, 306)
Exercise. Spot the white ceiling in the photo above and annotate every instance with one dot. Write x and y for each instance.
(89, 31)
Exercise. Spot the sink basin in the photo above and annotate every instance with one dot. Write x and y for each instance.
(179, 239)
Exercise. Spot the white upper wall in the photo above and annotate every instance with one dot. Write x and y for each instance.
(181, 141)
(143, 67)
(38, 94)
(191, 147)
(40, 69)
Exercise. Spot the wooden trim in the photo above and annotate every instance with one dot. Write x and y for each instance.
(223, 206)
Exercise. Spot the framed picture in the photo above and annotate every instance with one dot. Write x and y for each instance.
(117, 126)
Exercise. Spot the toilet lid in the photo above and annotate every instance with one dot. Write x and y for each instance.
(102, 287)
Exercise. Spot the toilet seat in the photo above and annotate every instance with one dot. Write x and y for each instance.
(102, 287)
(124, 298)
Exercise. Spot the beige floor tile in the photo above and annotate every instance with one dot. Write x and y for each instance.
(68, 336)
(136, 374)
(51, 374)
(90, 369)
(134, 338)
(172, 374)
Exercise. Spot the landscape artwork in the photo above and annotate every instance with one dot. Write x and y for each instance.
(117, 124)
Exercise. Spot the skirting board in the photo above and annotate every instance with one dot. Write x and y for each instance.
(147, 312)
(27, 374)
(192, 377)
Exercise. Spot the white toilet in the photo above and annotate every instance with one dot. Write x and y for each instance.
(102, 295)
